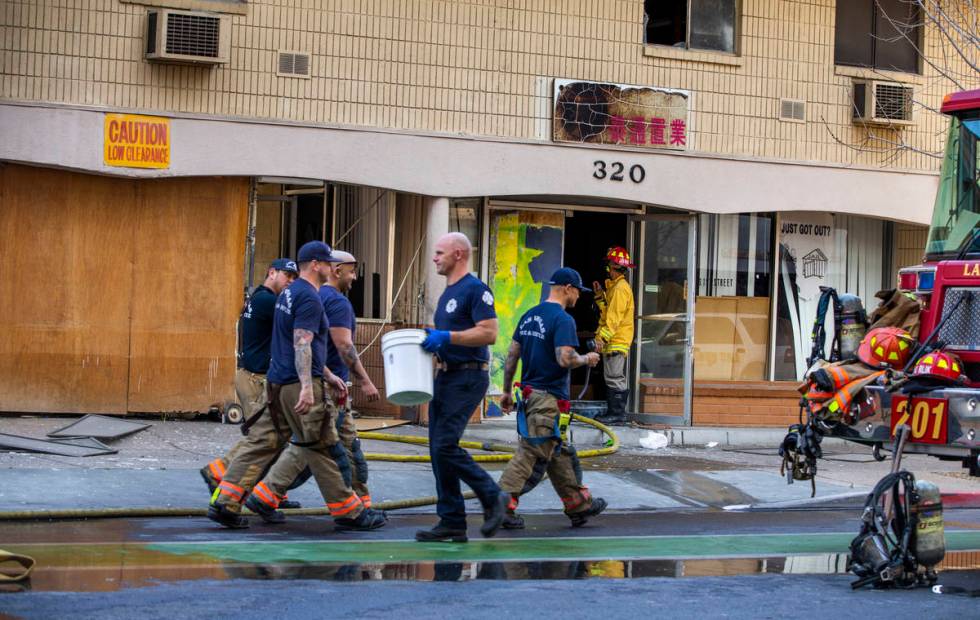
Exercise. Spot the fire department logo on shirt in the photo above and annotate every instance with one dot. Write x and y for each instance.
(451, 306)
(488, 298)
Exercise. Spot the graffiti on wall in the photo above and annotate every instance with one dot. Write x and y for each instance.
(526, 248)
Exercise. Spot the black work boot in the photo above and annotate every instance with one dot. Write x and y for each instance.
(289, 504)
(366, 521)
(615, 408)
(493, 517)
(228, 518)
(266, 512)
(513, 521)
(442, 533)
(579, 519)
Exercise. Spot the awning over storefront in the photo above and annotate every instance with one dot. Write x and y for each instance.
(456, 166)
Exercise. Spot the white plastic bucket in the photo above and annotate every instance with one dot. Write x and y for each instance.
(408, 367)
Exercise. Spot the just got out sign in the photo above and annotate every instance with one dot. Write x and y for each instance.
(134, 141)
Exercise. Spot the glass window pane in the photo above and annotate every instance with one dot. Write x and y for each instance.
(713, 25)
(663, 325)
(731, 340)
(897, 26)
(665, 22)
(853, 41)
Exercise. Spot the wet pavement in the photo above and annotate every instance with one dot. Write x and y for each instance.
(111, 554)
(693, 532)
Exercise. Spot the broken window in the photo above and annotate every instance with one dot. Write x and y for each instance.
(691, 24)
(880, 34)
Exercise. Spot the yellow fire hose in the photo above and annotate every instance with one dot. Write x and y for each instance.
(150, 512)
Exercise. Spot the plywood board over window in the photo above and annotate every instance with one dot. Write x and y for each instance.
(66, 289)
(118, 295)
(189, 240)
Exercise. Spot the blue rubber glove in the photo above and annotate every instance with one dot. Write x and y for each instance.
(435, 340)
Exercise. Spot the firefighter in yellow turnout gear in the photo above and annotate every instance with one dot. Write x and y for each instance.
(615, 332)
(544, 341)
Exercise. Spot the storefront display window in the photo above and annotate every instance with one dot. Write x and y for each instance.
(845, 252)
(732, 307)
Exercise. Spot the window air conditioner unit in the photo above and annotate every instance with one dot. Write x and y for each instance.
(187, 37)
(881, 103)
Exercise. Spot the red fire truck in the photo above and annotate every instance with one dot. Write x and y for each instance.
(944, 422)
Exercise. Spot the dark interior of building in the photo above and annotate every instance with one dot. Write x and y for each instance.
(588, 235)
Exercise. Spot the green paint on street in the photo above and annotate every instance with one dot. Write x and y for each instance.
(528, 549)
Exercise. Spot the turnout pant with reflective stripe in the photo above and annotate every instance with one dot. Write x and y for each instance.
(250, 387)
(531, 462)
(457, 393)
(317, 432)
(292, 462)
(253, 454)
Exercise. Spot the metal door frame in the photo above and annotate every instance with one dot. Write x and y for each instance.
(692, 274)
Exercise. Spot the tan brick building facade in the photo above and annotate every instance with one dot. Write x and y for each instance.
(436, 110)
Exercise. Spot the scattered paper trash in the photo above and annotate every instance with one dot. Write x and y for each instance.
(711, 444)
(654, 441)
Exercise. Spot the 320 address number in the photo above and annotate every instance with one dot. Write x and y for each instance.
(614, 170)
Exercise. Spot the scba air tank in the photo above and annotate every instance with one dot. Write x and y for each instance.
(929, 540)
(853, 325)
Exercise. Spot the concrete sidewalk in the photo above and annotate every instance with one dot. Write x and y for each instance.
(504, 429)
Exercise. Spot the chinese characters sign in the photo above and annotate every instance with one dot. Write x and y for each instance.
(596, 113)
(134, 141)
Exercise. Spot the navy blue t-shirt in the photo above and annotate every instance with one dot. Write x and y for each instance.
(540, 331)
(340, 313)
(255, 329)
(462, 306)
(298, 307)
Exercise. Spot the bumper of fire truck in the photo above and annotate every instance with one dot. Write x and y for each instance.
(962, 419)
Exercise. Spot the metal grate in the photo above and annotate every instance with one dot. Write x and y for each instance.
(193, 35)
(962, 331)
(294, 64)
(151, 32)
(792, 110)
(893, 101)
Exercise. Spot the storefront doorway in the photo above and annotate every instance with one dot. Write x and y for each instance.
(588, 236)
(525, 243)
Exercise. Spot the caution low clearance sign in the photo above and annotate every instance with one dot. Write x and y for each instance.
(134, 141)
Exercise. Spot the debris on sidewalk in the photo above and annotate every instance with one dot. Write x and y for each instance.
(60, 448)
(654, 441)
(99, 426)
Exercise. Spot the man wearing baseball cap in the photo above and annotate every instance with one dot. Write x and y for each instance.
(302, 409)
(254, 342)
(544, 341)
(343, 361)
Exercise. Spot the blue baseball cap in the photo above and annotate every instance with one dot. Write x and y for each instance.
(567, 275)
(285, 264)
(315, 250)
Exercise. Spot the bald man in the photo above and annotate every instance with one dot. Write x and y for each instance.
(466, 323)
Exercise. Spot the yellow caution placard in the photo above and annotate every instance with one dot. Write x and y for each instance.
(134, 141)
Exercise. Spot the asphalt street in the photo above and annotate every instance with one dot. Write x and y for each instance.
(690, 532)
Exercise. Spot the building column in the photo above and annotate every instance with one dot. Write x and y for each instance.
(436, 225)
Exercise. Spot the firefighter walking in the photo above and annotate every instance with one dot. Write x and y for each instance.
(254, 343)
(300, 405)
(614, 334)
(544, 342)
(466, 323)
(342, 360)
